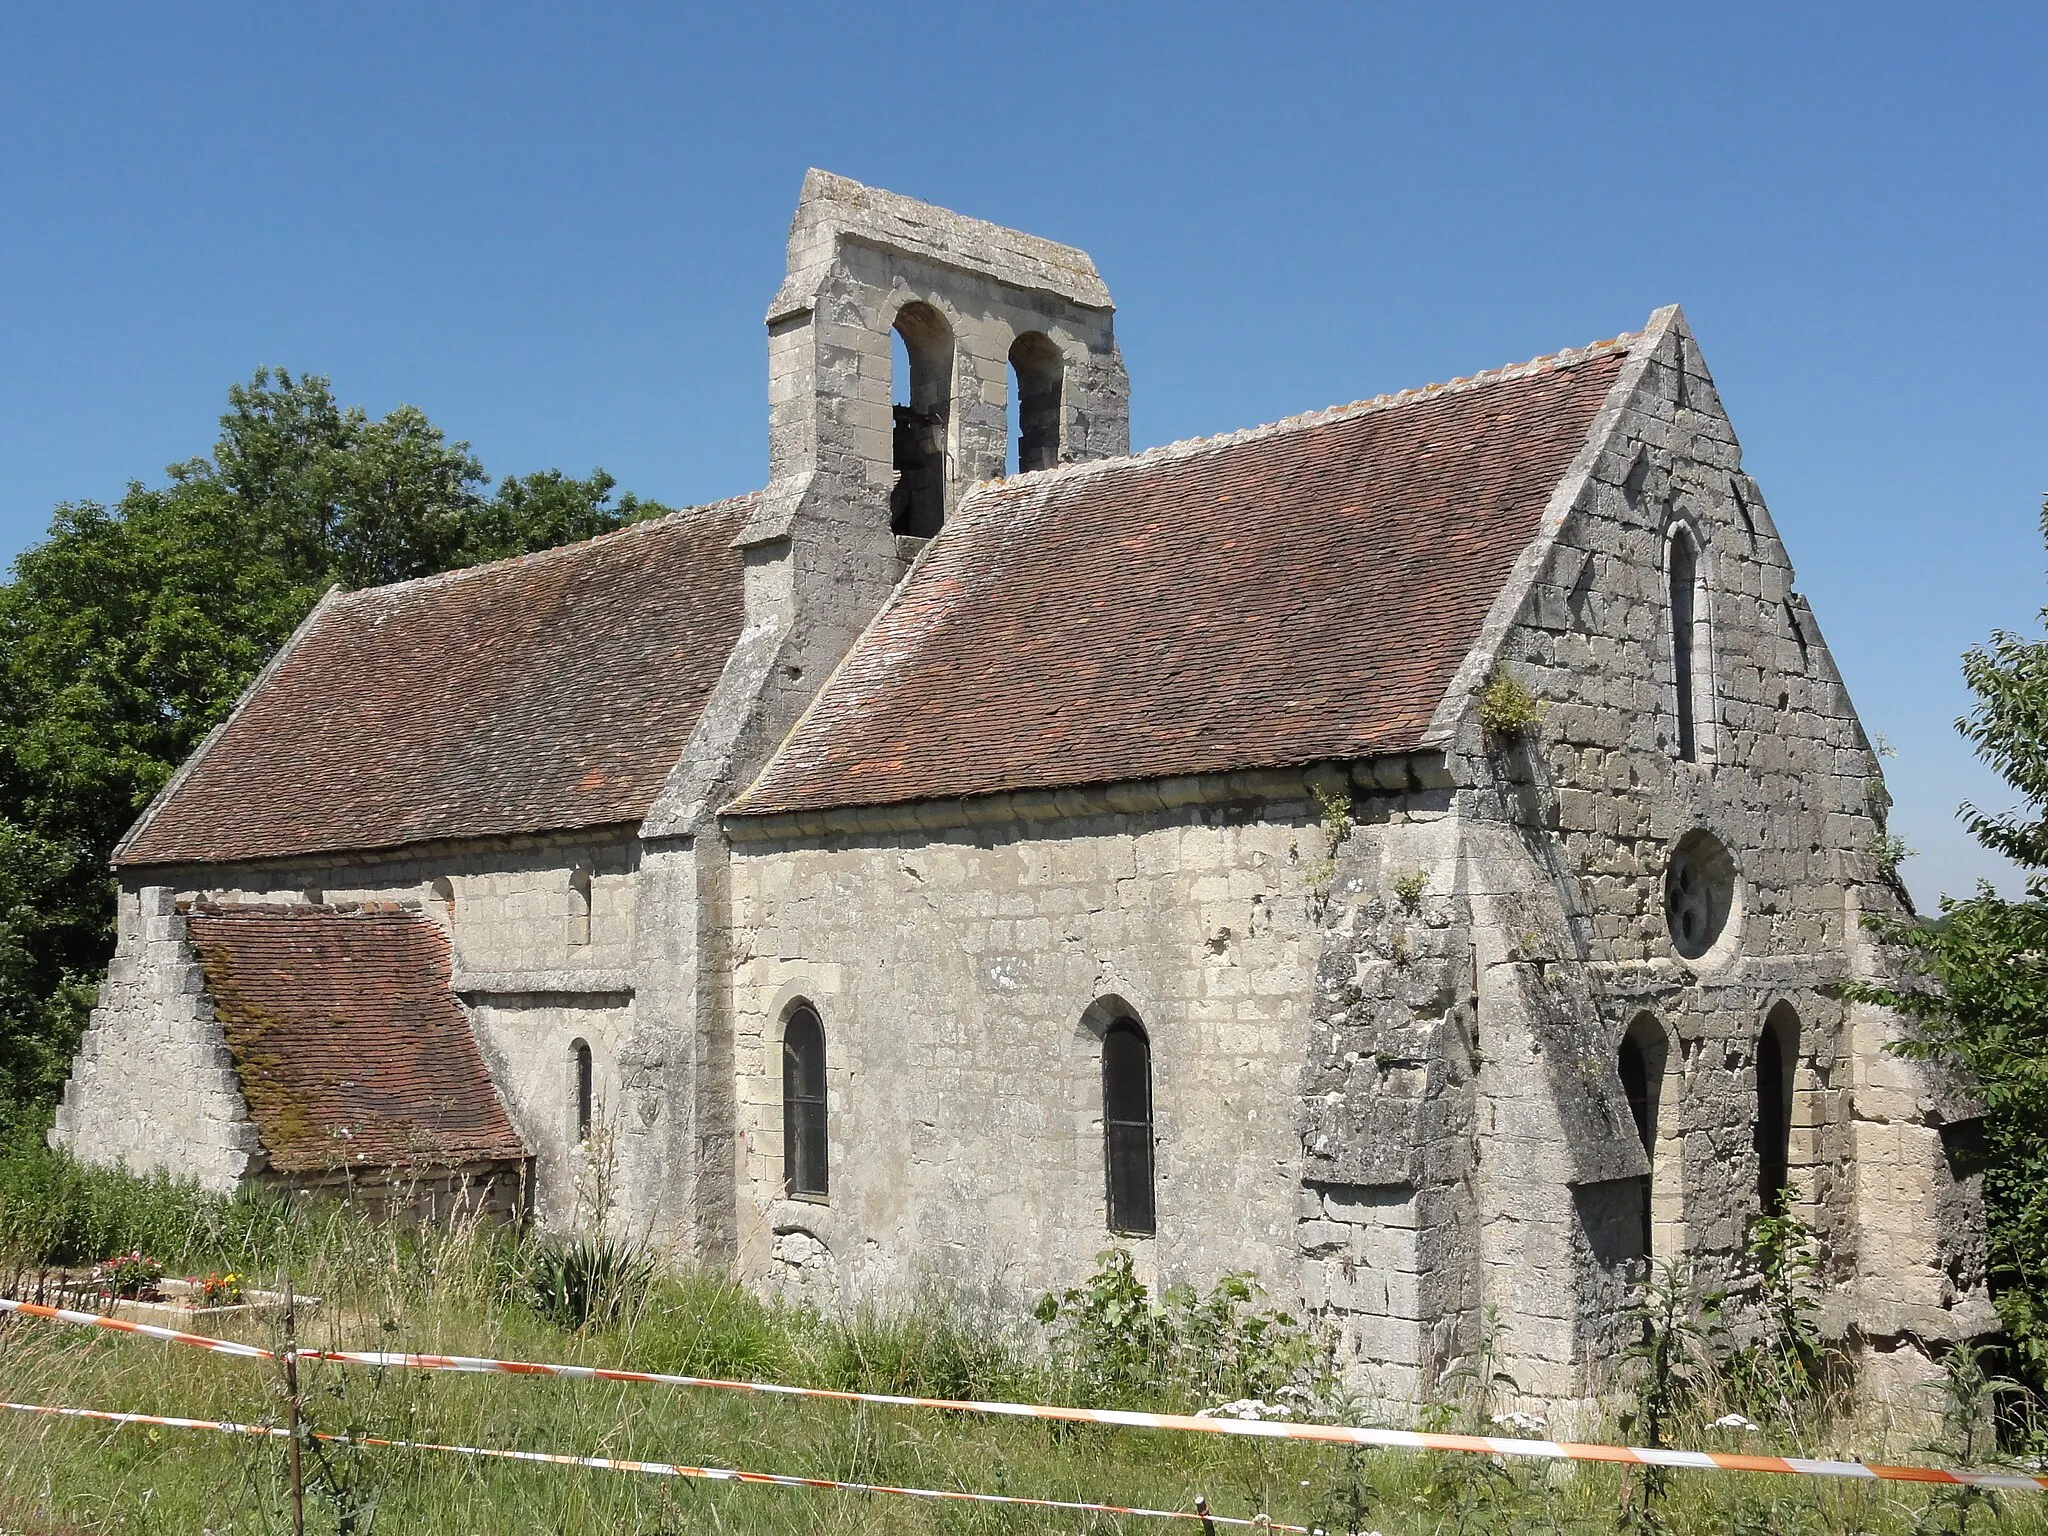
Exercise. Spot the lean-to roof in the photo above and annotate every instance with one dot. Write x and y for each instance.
(351, 1049)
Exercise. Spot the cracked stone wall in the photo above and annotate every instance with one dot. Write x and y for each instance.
(1785, 778)
(1386, 1220)
(963, 978)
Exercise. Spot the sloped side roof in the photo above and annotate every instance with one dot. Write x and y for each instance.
(1290, 595)
(349, 1044)
(549, 692)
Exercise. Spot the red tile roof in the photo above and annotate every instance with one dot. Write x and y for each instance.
(549, 692)
(350, 1046)
(1294, 594)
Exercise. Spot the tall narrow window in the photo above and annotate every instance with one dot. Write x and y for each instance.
(580, 1087)
(579, 906)
(922, 408)
(1687, 614)
(803, 1105)
(1642, 1078)
(1127, 1127)
(1038, 374)
(1777, 1056)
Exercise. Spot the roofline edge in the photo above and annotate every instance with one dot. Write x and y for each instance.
(163, 797)
(1501, 617)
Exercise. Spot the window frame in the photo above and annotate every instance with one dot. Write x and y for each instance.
(582, 1089)
(1119, 1144)
(806, 1117)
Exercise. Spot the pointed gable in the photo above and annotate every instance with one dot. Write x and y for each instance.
(1289, 595)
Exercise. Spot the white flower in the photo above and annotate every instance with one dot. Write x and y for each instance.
(1252, 1408)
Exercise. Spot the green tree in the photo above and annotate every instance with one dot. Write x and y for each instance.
(1978, 982)
(128, 633)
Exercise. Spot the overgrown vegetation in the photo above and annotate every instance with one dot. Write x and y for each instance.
(475, 1289)
(1507, 710)
(1977, 986)
(128, 633)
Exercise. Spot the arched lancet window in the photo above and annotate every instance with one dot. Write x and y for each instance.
(1692, 681)
(579, 906)
(444, 892)
(580, 1087)
(1127, 1127)
(1642, 1061)
(1037, 375)
(803, 1104)
(922, 409)
(1777, 1061)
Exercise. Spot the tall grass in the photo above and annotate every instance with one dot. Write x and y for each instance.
(466, 1288)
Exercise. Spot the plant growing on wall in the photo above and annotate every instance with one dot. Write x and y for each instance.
(1338, 821)
(1508, 712)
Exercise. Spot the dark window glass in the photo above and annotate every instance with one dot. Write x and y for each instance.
(1127, 1127)
(1642, 1108)
(1685, 564)
(1773, 1113)
(803, 1105)
(579, 1059)
(1635, 1082)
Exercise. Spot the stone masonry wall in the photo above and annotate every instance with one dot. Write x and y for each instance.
(154, 1084)
(1785, 778)
(962, 978)
(533, 974)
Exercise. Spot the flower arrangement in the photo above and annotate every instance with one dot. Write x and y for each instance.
(217, 1290)
(132, 1276)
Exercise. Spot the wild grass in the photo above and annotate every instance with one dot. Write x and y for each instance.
(468, 1289)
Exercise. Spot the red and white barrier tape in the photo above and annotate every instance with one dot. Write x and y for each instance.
(1265, 1429)
(664, 1468)
(147, 1330)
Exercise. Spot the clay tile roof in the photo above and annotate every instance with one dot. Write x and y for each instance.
(350, 1046)
(549, 692)
(1288, 595)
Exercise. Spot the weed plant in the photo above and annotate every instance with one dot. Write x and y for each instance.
(467, 1288)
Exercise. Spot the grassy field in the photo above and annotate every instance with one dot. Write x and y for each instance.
(469, 1291)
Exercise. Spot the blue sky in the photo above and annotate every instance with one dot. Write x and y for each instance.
(556, 230)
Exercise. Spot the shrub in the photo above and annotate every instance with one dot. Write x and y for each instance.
(1120, 1345)
(587, 1282)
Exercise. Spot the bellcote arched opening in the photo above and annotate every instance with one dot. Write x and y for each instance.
(1691, 650)
(1038, 383)
(922, 412)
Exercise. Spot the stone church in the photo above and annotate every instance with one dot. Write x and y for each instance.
(1412, 851)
